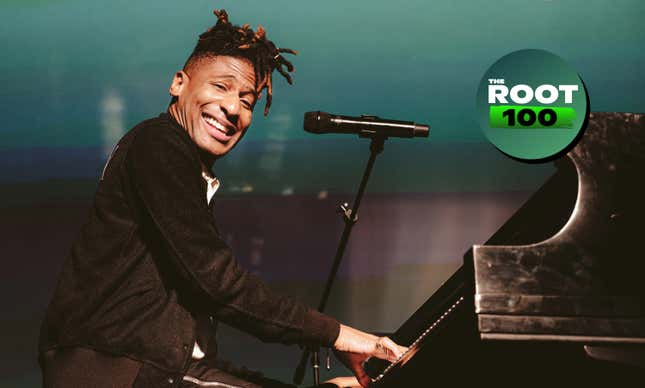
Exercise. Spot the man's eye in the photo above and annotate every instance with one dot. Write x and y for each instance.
(247, 104)
(220, 86)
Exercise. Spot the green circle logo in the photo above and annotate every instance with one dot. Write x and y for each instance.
(532, 105)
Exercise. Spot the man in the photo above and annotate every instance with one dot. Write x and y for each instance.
(149, 277)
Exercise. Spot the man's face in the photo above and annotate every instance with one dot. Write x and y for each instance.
(215, 101)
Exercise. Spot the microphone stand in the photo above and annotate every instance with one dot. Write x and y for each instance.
(350, 217)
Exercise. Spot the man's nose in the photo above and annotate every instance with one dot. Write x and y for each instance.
(231, 107)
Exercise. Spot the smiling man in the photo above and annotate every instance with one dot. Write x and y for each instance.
(141, 293)
(215, 100)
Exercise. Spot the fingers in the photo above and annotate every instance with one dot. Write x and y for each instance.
(361, 376)
(398, 350)
(388, 350)
(344, 382)
(354, 362)
(356, 341)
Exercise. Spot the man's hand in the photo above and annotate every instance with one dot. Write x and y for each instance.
(344, 382)
(353, 347)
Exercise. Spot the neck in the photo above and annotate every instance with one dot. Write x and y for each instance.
(173, 110)
(206, 158)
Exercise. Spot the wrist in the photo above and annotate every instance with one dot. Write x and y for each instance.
(353, 340)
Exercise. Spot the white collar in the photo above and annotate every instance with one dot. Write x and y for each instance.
(212, 184)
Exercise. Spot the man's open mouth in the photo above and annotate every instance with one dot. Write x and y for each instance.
(218, 130)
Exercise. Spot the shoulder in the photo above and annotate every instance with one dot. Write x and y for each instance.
(162, 134)
(162, 143)
(162, 129)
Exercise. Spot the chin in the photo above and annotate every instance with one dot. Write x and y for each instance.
(217, 150)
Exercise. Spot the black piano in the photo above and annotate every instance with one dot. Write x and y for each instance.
(557, 295)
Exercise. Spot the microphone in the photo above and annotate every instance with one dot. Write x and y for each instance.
(364, 126)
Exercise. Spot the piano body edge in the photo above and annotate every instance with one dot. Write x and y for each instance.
(556, 291)
(568, 287)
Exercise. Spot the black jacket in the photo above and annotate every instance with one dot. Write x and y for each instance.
(150, 260)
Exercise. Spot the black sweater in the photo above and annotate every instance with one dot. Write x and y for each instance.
(150, 260)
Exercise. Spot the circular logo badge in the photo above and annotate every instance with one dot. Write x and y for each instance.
(532, 105)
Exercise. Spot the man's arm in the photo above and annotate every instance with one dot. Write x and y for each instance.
(166, 175)
(168, 181)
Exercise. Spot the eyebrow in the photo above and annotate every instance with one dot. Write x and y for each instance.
(245, 91)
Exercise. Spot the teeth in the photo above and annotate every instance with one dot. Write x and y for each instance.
(215, 123)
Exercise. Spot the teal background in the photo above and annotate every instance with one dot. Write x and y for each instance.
(75, 75)
(533, 68)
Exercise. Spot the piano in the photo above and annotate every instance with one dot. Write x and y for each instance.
(557, 294)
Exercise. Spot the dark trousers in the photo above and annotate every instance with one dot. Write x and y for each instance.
(80, 367)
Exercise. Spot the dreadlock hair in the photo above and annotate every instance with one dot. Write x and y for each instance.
(227, 39)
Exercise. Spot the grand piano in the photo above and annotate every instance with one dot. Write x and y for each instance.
(557, 294)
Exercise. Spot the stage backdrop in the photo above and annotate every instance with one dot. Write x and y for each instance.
(76, 75)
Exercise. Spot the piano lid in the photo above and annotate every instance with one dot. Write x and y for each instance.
(586, 282)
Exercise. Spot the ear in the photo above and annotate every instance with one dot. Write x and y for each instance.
(178, 84)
